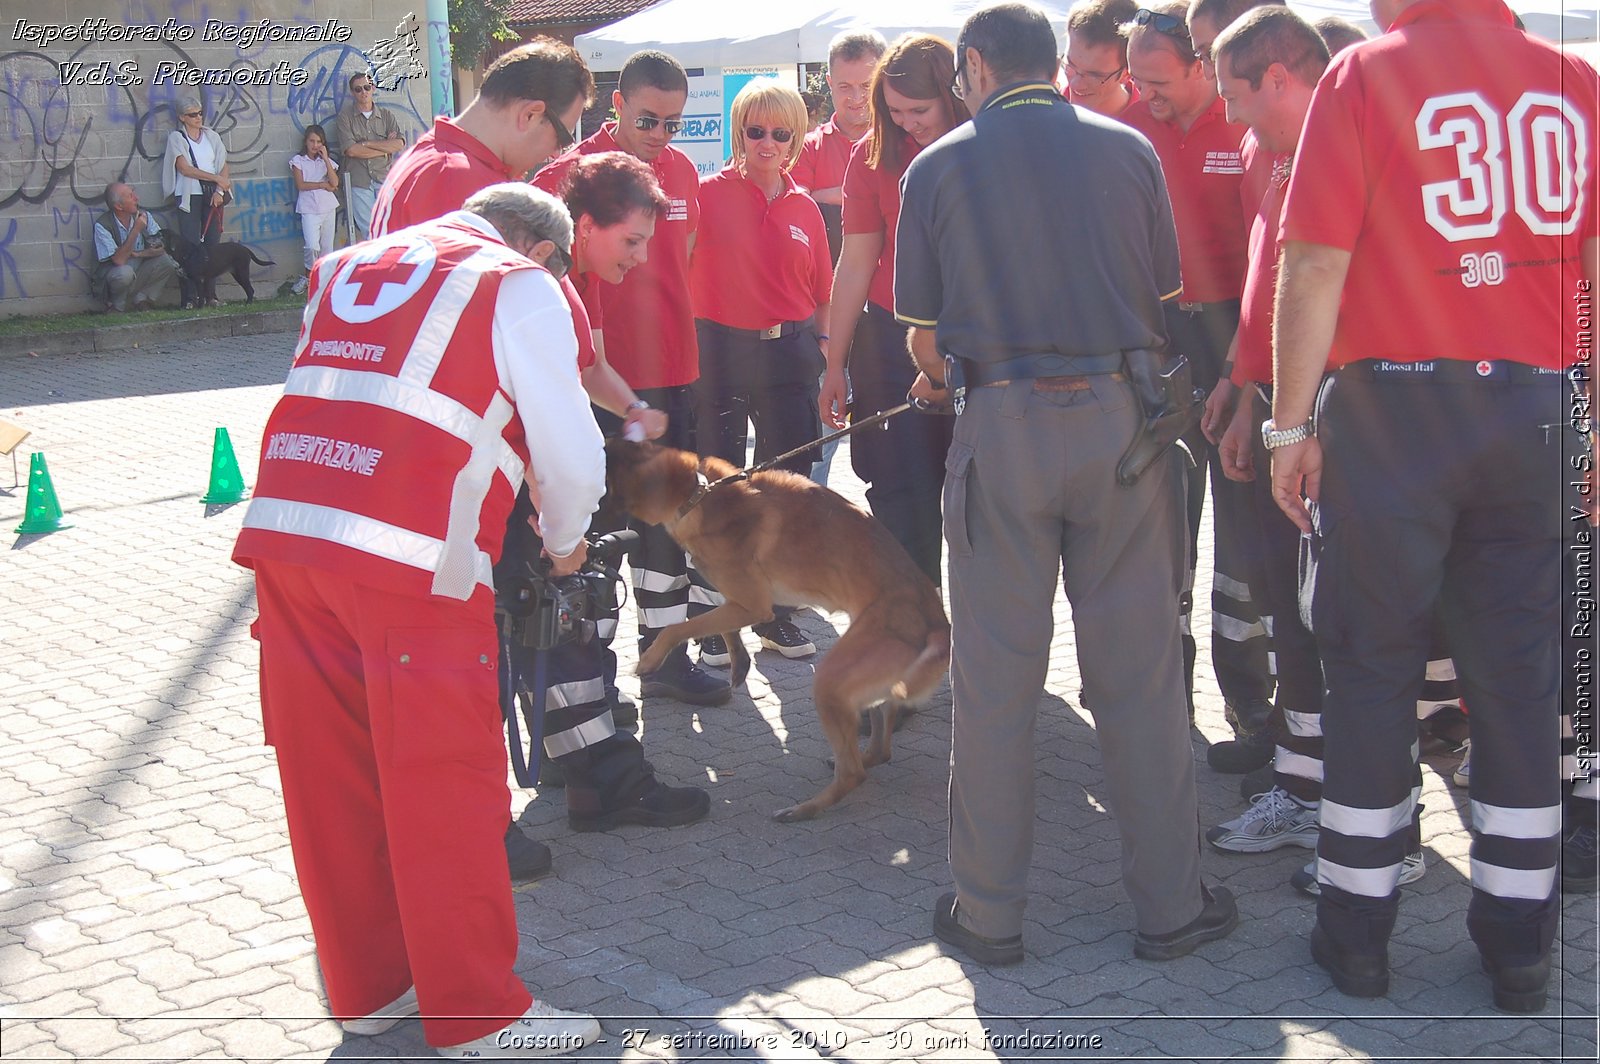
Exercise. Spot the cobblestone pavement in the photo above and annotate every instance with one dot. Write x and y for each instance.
(148, 905)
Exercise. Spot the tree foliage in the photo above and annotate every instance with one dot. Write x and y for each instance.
(475, 26)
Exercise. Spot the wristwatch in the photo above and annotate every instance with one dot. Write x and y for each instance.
(637, 404)
(1273, 437)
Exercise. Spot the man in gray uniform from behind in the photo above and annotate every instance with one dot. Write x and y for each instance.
(1035, 248)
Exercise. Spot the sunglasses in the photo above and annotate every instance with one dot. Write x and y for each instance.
(1172, 26)
(560, 262)
(779, 136)
(191, 114)
(646, 123)
(364, 88)
(565, 138)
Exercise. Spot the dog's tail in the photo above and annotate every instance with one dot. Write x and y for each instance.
(258, 260)
(925, 670)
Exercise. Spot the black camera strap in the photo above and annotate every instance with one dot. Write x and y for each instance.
(520, 689)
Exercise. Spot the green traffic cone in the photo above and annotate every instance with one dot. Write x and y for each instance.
(227, 484)
(43, 513)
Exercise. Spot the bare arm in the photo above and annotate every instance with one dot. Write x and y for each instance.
(608, 391)
(858, 258)
(1310, 282)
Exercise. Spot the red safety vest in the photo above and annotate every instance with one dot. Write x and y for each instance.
(395, 453)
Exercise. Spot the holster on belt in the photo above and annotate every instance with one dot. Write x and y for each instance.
(1169, 402)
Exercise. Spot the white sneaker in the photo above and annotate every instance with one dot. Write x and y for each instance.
(386, 1017)
(1274, 819)
(542, 1032)
(1463, 774)
(300, 286)
(1305, 880)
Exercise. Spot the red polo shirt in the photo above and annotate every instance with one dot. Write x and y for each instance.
(649, 326)
(1454, 158)
(758, 263)
(444, 167)
(1205, 171)
(1253, 356)
(872, 205)
(824, 157)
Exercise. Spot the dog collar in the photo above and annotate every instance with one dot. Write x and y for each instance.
(699, 493)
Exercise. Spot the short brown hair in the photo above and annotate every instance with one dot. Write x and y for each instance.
(609, 186)
(920, 66)
(1097, 23)
(544, 70)
(1271, 35)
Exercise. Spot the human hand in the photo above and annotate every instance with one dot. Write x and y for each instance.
(1297, 469)
(831, 399)
(922, 389)
(568, 564)
(1214, 419)
(652, 423)
(1236, 448)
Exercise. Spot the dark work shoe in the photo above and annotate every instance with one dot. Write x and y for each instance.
(785, 638)
(1580, 859)
(1363, 975)
(551, 775)
(1217, 920)
(714, 652)
(528, 858)
(1521, 988)
(1252, 784)
(659, 807)
(684, 681)
(1247, 716)
(624, 710)
(1245, 754)
(949, 930)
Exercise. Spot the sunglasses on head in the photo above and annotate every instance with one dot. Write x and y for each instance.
(646, 123)
(1170, 25)
(779, 136)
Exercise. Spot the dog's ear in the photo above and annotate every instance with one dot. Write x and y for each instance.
(646, 479)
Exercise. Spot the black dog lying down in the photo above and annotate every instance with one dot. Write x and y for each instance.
(228, 256)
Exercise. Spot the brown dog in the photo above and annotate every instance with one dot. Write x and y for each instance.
(778, 538)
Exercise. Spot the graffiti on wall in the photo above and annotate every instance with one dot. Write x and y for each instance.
(75, 117)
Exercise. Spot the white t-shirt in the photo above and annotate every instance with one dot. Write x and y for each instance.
(203, 159)
(315, 200)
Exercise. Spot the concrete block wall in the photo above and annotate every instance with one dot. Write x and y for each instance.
(63, 137)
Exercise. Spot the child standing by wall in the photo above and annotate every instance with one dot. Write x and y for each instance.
(317, 179)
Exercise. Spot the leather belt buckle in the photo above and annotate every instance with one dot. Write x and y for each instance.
(774, 333)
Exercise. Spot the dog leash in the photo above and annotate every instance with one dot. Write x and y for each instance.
(708, 486)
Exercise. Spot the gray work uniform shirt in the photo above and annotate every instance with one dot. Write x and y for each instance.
(1036, 227)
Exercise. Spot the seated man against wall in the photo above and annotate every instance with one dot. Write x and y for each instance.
(132, 268)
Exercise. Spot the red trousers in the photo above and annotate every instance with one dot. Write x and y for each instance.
(384, 711)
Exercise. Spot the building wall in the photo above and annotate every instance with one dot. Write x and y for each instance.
(63, 138)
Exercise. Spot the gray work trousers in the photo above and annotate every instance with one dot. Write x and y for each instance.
(1030, 488)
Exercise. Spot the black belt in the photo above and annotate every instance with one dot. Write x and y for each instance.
(776, 332)
(1453, 370)
(975, 374)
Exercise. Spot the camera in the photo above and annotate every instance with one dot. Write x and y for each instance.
(542, 611)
